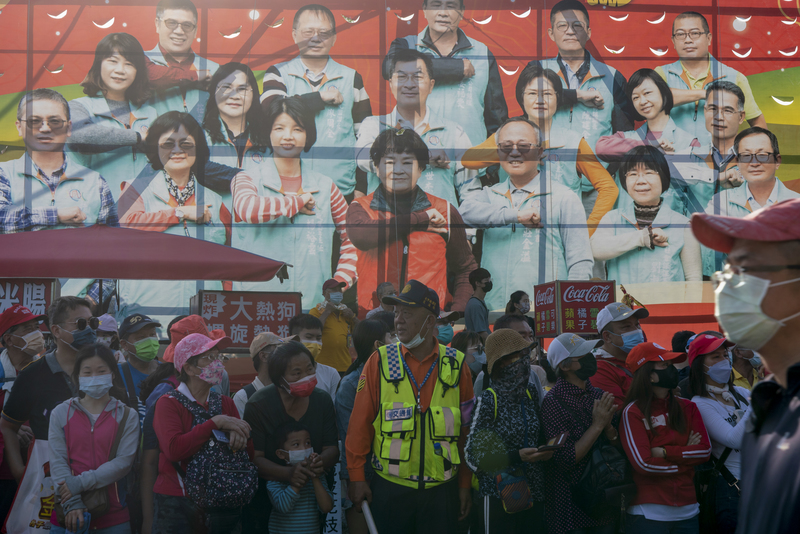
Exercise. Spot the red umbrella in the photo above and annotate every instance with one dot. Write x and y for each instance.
(103, 252)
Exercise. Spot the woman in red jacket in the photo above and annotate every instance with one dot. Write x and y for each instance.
(664, 438)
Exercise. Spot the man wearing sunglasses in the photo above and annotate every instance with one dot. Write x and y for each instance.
(758, 158)
(534, 229)
(174, 69)
(757, 300)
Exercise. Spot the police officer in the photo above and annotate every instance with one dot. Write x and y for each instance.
(413, 404)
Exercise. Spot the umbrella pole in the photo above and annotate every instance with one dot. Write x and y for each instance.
(100, 298)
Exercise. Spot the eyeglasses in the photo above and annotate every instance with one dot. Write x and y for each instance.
(36, 123)
(522, 148)
(761, 158)
(727, 112)
(172, 24)
(308, 33)
(241, 90)
(729, 271)
(681, 35)
(478, 348)
(184, 146)
(403, 77)
(81, 323)
(211, 358)
(577, 26)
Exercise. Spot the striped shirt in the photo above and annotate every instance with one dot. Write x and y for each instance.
(294, 513)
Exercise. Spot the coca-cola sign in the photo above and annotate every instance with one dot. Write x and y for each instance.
(567, 306)
(593, 294)
(546, 297)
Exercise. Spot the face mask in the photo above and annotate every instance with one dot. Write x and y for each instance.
(109, 341)
(445, 334)
(738, 310)
(302, 387)
(314, 347)
(755, 361)
(82, 338)
(95, 386)
(212, 373)
(524, 308)
(588, 367)
(720, 372)
(295, 457)
(336, 298)
(629, 340)
(514, 378)
(146, 349)
(487, 287)
(667, 378)
(34, 343)
(417, 341)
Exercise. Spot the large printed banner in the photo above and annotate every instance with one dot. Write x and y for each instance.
(364, 140)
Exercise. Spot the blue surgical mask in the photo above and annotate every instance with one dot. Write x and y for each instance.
(720, 372)
(630, 340)
(82, 338)
(445, 334)
(755, 361)
(95, 386)
(336, 298)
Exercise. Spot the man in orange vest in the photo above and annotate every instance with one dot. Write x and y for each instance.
(403, 233)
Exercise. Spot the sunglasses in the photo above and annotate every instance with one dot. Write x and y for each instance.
(522, 148)
(81, 323)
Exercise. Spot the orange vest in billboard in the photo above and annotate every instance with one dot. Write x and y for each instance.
(421, 256)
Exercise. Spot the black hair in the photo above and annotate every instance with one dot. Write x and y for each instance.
(170, 122)
(304, 321)
(691, 15)
(411, 55)
(403, 141)
(515, 298)
(679, 340)
(107, 355)
(425, 3)
(649, 156)
(172, 322)
(697, 377)
(298, 111)
(60, 307)
(755, 130)
(279, 361)
(477, 275)
(128, 47)
(641, 392)
(568, 5)
(464, 339)
(505, 321)
(163, 371)
(254, 116)
(365, 335)
(42, 94)
(289, 427)
(268, 350)
(319, 10)
(185, 5)
(729, 87)
(387, 318)
(638, 78)
(532, 72)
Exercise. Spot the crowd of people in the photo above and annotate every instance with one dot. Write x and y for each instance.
(168, 141)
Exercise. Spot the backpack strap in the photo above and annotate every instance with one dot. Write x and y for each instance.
(490, 390)
(118, 436)
(249, 389)
(133, 400)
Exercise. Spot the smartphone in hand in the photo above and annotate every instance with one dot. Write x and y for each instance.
(554, 443)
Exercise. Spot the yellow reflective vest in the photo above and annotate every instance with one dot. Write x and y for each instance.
(413, 448)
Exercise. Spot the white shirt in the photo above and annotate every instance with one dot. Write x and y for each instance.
(725, 425)
(773, 197)
(663, 512)
(572, 78)
(240, 398)
(328, 380)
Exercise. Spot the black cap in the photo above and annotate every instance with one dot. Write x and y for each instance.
(134, 323)
(416, 295)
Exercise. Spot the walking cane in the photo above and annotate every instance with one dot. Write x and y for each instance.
(368, 516)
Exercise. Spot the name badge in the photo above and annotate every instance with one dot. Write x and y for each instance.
(399, 414)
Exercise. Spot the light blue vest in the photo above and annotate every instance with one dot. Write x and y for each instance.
(163, 300)
(462, 102)
(560, 161)
(642, 265)
(192, 101)
(520, 258)
(334, 151)
(122, 164)
(689, 116)
(305, 241)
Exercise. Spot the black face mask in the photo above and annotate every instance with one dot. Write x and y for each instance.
(667, 378)
(487, 287)
(588, 367)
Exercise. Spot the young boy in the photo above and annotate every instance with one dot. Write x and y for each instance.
(297, 505)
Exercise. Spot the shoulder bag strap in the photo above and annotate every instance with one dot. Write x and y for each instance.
(249, 389)
(118, 436)
(723, 470)
(133, 400)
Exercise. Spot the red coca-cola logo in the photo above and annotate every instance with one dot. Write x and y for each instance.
(597, 293)
(545, 298)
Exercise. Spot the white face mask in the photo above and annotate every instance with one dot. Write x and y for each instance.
(417, 341)
(295, 457)
(738, 309)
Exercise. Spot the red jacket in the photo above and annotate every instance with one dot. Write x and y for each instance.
(670, 480)
(614, 377)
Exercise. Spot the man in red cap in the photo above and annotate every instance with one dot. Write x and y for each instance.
(338, 322)
(758, 307)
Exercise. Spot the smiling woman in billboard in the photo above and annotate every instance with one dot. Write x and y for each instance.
(647, 241)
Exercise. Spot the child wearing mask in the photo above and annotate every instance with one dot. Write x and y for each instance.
(298, 503)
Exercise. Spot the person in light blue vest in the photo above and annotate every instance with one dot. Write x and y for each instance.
(468, 88)
(334, 93)
(169, 197)
(46, 188)
(110, 124)
(289, 212)
(176, 72)
(647, 241)
(758, 157)
(696, 68)
(411, 84)
(534, 228)
(234, 122)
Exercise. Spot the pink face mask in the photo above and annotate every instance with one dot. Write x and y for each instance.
(212, 373)
(302, 387)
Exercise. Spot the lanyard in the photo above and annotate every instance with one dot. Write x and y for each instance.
(414, 380)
